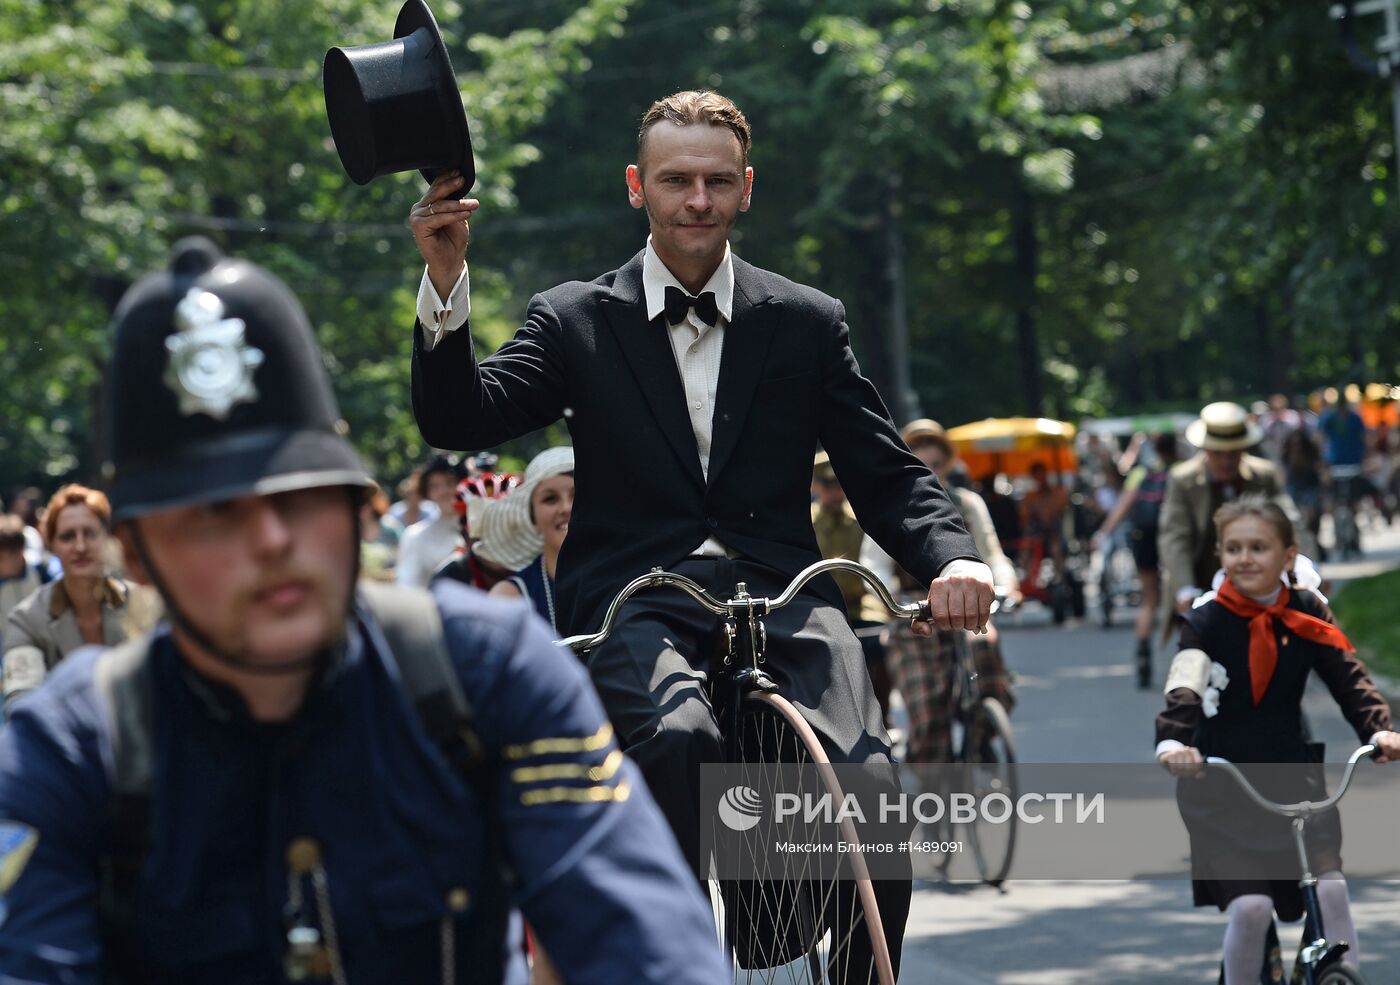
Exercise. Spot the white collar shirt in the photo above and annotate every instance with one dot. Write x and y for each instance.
(697, 348)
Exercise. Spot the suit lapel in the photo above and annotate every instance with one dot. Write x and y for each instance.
(647, 348)
(746, 341)
(65, 633)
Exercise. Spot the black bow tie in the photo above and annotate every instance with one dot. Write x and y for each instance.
(678, 303)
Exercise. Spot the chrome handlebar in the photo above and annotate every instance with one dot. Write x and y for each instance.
(657, 578)
(1305, 808)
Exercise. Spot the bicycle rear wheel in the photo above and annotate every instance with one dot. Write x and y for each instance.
(792, 923)
(1106, 594)
(989, 756)
(1341, 974)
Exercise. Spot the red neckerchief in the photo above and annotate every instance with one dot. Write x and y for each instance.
(1263, 646)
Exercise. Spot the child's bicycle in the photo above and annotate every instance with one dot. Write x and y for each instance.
(1319, 960)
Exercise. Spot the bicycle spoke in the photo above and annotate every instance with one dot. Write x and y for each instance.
(788, 923)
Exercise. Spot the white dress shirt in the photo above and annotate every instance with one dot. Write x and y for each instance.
(425, 546)
(697, 348)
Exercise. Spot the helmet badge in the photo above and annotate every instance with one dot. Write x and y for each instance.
(211, 367)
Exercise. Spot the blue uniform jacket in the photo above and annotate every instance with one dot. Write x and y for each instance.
(599, 875)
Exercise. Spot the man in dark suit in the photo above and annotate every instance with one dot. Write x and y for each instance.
(696, 388)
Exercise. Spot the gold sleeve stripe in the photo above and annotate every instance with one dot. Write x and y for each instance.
(542, 747)
(575, 795)
(569, 771)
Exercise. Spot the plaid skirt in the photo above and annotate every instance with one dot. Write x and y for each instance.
(921, 670)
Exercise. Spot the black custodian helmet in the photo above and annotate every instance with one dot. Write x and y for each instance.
(218, 390)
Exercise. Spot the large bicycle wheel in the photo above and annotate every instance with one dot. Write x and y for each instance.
(793, 923)
(1341, 974)
(989, 757)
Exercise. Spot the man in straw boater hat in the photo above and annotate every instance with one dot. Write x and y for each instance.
(290, 780)
(696, 388)
(1220, 472)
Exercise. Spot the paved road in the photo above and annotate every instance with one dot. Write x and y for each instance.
(1078, 704)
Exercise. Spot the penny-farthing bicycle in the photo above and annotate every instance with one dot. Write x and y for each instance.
(793, 921)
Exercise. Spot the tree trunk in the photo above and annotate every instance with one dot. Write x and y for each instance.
(901, 397)
(1024, 292)
(1276, 342)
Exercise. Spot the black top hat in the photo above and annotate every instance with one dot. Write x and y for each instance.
(218, 390)
(395, 106)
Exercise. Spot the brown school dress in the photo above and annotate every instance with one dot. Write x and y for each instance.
(1226, 830)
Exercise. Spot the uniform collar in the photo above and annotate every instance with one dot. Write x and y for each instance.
(656, 277)
(225, 704)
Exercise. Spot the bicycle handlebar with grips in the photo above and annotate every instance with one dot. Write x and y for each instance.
(658, 578)
(1305, 808)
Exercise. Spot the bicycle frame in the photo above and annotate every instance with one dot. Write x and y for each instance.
(1317, 953)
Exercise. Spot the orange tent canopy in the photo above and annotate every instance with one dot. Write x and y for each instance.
(1379, 406)
(1013, 444)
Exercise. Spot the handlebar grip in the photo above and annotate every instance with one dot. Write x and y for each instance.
(924, 614)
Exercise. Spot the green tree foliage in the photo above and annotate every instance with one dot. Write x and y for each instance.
(1083, 207)
(128, 125)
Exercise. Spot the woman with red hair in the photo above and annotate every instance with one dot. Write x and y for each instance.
(86, 606)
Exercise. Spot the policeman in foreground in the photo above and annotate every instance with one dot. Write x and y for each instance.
(289, 780)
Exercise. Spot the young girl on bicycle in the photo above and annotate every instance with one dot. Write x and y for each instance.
(1235, 690)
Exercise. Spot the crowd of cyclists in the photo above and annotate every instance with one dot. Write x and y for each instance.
(294, 749)
(470, 520)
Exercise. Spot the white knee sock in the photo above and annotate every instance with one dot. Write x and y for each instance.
(1336, 913)
(1244, 937)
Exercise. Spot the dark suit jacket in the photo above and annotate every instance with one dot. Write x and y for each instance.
(787, 381)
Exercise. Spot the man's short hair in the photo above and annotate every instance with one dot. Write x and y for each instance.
(697, 106)
(438, 464)
(75, 495)
(1165, 444)
(11, 533)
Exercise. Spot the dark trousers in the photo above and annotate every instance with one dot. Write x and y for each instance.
(652, 674)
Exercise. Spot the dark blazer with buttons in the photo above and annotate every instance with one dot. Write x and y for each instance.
(788, 381)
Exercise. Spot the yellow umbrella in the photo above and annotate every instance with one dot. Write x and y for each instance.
(1013, 444)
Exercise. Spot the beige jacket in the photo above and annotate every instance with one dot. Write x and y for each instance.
(43, 629)
(1186, 533)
